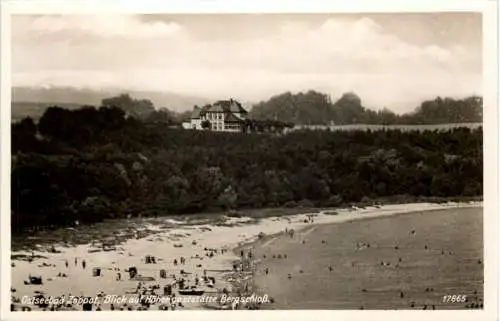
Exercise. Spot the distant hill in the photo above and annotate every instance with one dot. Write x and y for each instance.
(32, 101)
(21, 109)
(315, 108)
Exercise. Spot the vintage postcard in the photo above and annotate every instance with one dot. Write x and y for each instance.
(307, 160)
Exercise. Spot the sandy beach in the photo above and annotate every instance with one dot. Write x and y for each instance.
(168, 242)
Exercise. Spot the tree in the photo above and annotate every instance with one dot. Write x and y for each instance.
(163, 116)
(140, 108)
(94, 209)
(111, 118)
(55, 123)
(315, 108)
(99, 164)
(24, 135)
(305, 108)
(206, 124)
(228, 197)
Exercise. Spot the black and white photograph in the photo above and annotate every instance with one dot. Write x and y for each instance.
(170, 161)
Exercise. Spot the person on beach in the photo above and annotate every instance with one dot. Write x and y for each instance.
(242, 253)
(267, 271)
(84, 264)
(175, 262)
(76, 261)
(66, 263)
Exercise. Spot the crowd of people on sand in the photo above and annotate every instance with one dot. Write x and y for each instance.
(184, 280)
(167, 288)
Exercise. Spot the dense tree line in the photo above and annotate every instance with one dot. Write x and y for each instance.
(95, 163)
(314, 108)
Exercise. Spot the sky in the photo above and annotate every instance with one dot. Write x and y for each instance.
(391, 60)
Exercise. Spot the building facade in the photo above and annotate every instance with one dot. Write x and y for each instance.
(223, 115)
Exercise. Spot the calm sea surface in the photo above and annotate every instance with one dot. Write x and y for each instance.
(412, 259)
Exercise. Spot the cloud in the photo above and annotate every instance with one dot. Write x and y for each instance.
(334, 56)
(104, 26)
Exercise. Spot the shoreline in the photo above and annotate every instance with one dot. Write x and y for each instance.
(266, 212)
(370, 216)
(234, 234)
(310, 227)
(302, 233)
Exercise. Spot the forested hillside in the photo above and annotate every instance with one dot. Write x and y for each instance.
(314, 108)
(91, 164)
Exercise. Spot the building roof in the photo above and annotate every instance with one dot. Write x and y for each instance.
(231, 118)
(231, 105)
(196, 113)
(236, 107)
(215, 108)
(222, 106)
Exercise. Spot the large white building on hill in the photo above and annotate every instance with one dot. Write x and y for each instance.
(223, 115)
